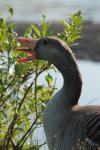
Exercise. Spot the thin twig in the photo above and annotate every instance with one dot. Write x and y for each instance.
(53, 87)
(11, 126)
(44, 67)
(19, 107)
(35, 87)
(27, 133)
(24, 78)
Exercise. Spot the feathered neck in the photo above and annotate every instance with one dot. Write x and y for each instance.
(72, 78)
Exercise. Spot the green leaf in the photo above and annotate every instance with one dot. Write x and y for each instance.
(67, 26)
(11, 27)
(44, 16)
(49, 79)
(61, 35)
(17, 69)
(10, 9)
(75, 38)
(40, 88)
(1, 20)
(37, 31)
(45, 27)
(28, 32)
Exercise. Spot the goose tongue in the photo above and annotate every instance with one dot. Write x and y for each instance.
(29, 49)
(31, 54)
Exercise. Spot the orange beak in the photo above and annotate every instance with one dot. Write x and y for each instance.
(29, 49)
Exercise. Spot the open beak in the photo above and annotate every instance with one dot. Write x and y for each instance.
(29, 49)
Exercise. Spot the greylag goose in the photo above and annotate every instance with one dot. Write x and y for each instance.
(67, 125)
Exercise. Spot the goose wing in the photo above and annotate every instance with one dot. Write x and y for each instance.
(91, 122)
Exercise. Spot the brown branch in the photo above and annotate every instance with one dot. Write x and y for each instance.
(44, 67)
(11, 126)
(42, 144)
(35, 148)
(23, 139)
(10, 132)
(24, 78)
(35, 87)
(5, 90)
(53, 87)
(19, 107)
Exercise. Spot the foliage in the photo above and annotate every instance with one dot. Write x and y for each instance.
(73, 28)
(22, 98)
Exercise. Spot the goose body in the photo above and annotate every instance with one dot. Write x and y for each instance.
(74, 129)
(67, 125)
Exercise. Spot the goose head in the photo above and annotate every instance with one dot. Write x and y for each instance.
(51, 49)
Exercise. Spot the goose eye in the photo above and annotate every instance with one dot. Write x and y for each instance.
(45, 42)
